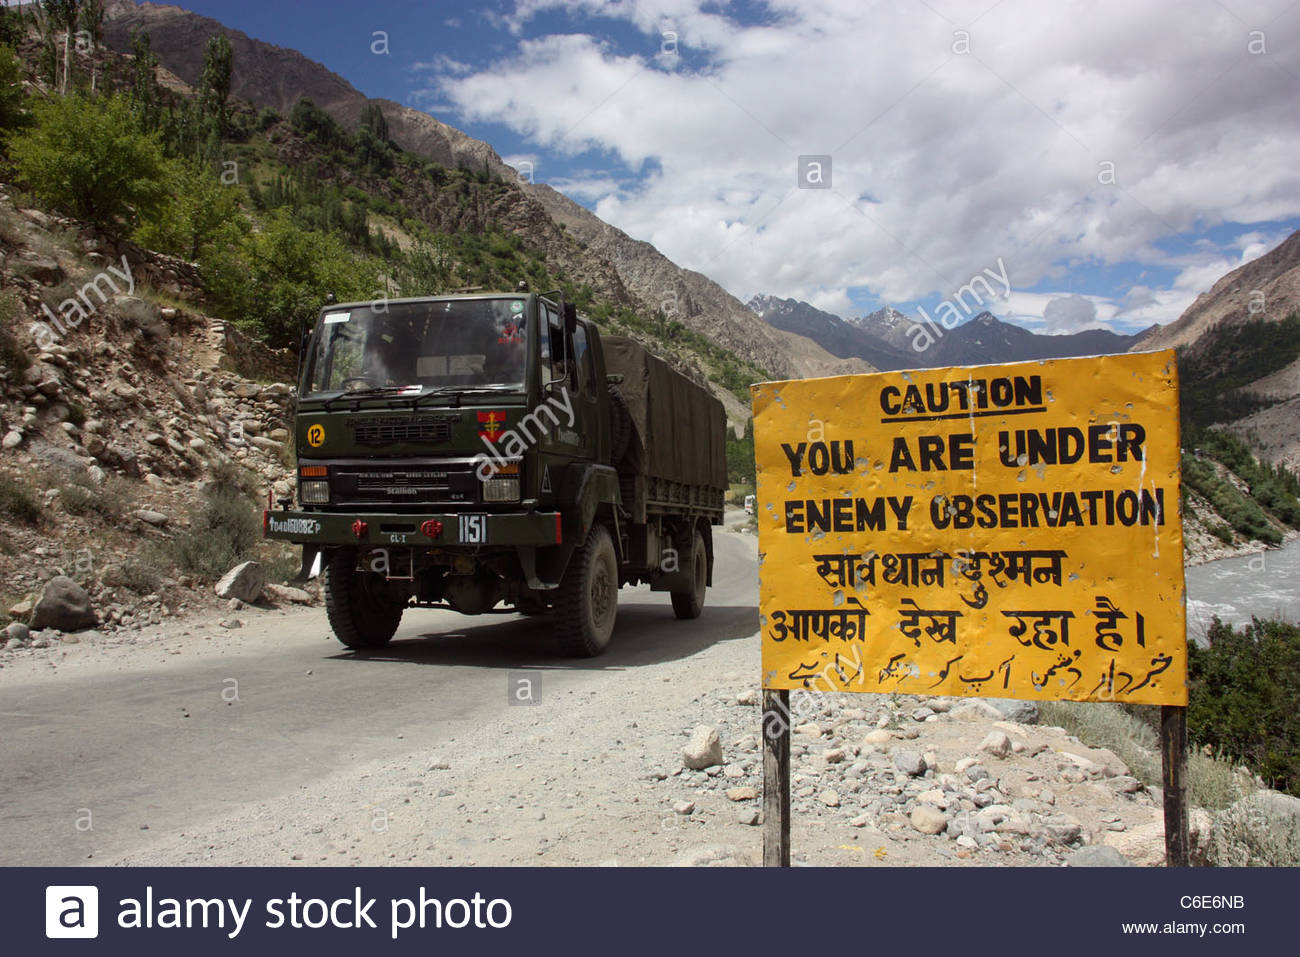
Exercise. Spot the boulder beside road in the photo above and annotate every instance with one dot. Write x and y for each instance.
(245, 582)
(63, 605)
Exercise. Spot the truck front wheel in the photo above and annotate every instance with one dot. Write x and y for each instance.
(587, 602)
(689, 604)
(361, 615)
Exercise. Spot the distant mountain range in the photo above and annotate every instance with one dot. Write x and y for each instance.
(882, 338)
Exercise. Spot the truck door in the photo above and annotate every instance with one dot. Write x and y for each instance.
(587, 404)
(567, 439)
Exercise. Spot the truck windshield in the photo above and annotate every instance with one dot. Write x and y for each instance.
(420, 345)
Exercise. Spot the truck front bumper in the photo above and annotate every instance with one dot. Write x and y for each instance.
(469, 529)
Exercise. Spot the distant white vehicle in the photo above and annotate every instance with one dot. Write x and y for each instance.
(749, 504)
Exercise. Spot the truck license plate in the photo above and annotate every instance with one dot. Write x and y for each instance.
(473, 529)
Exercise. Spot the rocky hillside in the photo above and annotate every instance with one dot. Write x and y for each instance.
(620, 268)
(115, 433)
(1266, 288)
(1241, 353)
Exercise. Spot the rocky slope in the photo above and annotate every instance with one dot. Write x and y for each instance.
(1265, 288)
(111, 431)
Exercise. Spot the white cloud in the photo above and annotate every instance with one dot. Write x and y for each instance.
(967, 158)
(1067, 314)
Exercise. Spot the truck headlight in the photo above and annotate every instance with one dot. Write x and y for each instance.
(501, 488)
(314, 493)
(502, 485)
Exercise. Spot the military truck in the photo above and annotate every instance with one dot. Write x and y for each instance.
(497, 453)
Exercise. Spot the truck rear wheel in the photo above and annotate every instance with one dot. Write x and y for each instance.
(689, 604)
(360, 617)
(587, 602)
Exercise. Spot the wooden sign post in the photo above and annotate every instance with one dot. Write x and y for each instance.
(776, 778)
(1007, 531)
(1173, 760)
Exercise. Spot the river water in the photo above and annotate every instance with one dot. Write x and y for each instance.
(1265, 585)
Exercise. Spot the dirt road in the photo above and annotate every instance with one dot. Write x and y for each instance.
(112, 749)
(469, 741)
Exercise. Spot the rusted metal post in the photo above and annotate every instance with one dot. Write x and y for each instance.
(776, 778)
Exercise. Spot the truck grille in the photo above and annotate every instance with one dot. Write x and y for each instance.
(407, 483)
(388, 433)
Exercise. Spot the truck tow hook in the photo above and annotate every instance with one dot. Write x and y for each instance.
(432, 528)
(359, 528)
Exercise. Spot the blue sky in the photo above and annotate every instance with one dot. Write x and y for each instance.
(1112, 159)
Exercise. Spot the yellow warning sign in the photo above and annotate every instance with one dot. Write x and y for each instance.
(1006, 531)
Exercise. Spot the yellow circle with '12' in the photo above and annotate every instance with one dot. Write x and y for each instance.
(316, 436)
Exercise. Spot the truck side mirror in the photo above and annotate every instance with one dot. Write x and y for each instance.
(570, 318)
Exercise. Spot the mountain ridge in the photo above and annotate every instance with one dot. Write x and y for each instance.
(885, 337)
(275, 77)
(1267, 287)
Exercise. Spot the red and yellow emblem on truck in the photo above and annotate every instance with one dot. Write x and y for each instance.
(491, 424)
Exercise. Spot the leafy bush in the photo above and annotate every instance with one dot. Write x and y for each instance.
(197, 212)
(1242, 513)
(18, 502)
(88, 158)
(223, 531)
(139, 576)
(13, 356)
(1244, 687)
(13, 101)
(276, 280)
(1246, 835)
(108, 502)
(1222, 532)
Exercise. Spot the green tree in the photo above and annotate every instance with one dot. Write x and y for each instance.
(143, 92)
(277, 278)
(62, 15)
(88, 158)
(13, 100)
(214, 82)
(12, 27)
(374, 122)
(195, 213)
(315, 124)
(91, 20)
(740, 456)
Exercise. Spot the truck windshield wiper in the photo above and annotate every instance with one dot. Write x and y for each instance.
(460, 390)
(364, 393)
